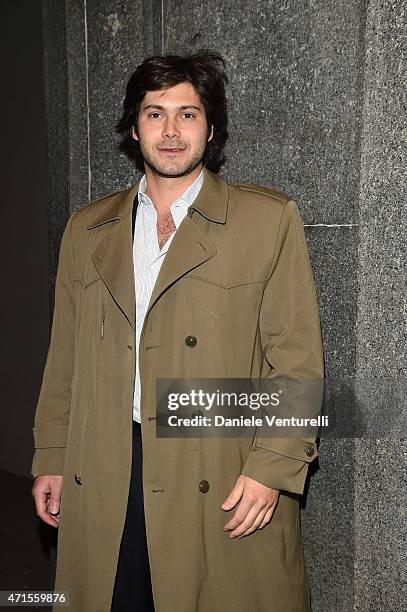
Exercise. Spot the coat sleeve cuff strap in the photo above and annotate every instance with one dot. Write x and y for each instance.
(50, 437)
(281, 464)
(48, 461)
(303, 449)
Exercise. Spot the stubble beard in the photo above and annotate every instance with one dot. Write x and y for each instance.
(175, 170)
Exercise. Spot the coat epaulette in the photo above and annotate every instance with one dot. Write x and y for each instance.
(268, 191)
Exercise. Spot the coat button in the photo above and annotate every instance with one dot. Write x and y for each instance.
(204, 486)
(309, 451)
(190, 341)
(78, 479)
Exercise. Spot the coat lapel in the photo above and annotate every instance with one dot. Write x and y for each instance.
(113, 256)
(190, 247)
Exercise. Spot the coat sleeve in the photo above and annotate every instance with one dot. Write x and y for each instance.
(291, 340)
(52, 414)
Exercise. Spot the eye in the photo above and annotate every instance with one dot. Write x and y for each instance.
(188, 115)
(154, 114)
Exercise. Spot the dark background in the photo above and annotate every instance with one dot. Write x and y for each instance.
(25, 303)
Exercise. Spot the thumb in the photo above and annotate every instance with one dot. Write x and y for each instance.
(53, 506)
(234, 495)
(54, 499)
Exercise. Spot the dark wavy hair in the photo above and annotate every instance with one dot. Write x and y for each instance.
(204, 70)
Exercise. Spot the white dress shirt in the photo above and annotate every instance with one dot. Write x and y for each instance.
(148, 259)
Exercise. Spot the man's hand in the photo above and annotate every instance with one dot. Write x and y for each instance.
(47, 491)
(256, 507)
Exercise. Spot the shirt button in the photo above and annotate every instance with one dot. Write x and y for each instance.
(78, 479)
(204, 486)
(191, 341)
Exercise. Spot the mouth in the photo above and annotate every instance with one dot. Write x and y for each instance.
(171, 150)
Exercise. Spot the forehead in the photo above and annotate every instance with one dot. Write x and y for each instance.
(177, 95)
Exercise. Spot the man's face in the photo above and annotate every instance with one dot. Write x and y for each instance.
(172, 130)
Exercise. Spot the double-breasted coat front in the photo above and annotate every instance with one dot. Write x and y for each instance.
(237, 277)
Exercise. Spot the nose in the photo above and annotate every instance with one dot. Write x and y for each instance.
(170, 128)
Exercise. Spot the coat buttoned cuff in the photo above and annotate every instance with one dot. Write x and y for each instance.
(50, 437)
(50, 446)
(284, 468)
(48, 461)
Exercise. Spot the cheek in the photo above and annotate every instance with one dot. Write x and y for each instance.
(148, 137)
(197, 137)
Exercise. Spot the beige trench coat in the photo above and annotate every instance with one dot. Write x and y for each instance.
(237, 277)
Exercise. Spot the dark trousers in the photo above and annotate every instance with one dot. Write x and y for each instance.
(132, 589)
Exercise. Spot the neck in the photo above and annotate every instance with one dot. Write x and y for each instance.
(163, 190)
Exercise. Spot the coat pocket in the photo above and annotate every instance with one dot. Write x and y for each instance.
(78, 443)
(227, 283)
(102, 318)
(91, 275)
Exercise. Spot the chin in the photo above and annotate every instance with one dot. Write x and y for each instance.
(171, 170)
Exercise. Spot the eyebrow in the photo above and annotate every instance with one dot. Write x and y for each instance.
(184, 107)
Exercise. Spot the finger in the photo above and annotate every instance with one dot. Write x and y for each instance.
(40, 497)
(53, 504)
(52, 521)
(261, 521)
(234, 496)
(53, 507)
(244, 507)
(54, 513)
(44, 515)
(258, 521)
(249, 520)
(267, 517)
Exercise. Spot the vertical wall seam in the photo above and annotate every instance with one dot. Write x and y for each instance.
(162, 27)
(156, 14)
(87, 99)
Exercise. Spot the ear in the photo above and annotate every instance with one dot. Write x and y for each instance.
(211, 134)
(133, 133)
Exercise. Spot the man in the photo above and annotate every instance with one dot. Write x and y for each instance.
(203, 280)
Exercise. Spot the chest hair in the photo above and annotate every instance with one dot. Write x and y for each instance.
(165, 227)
